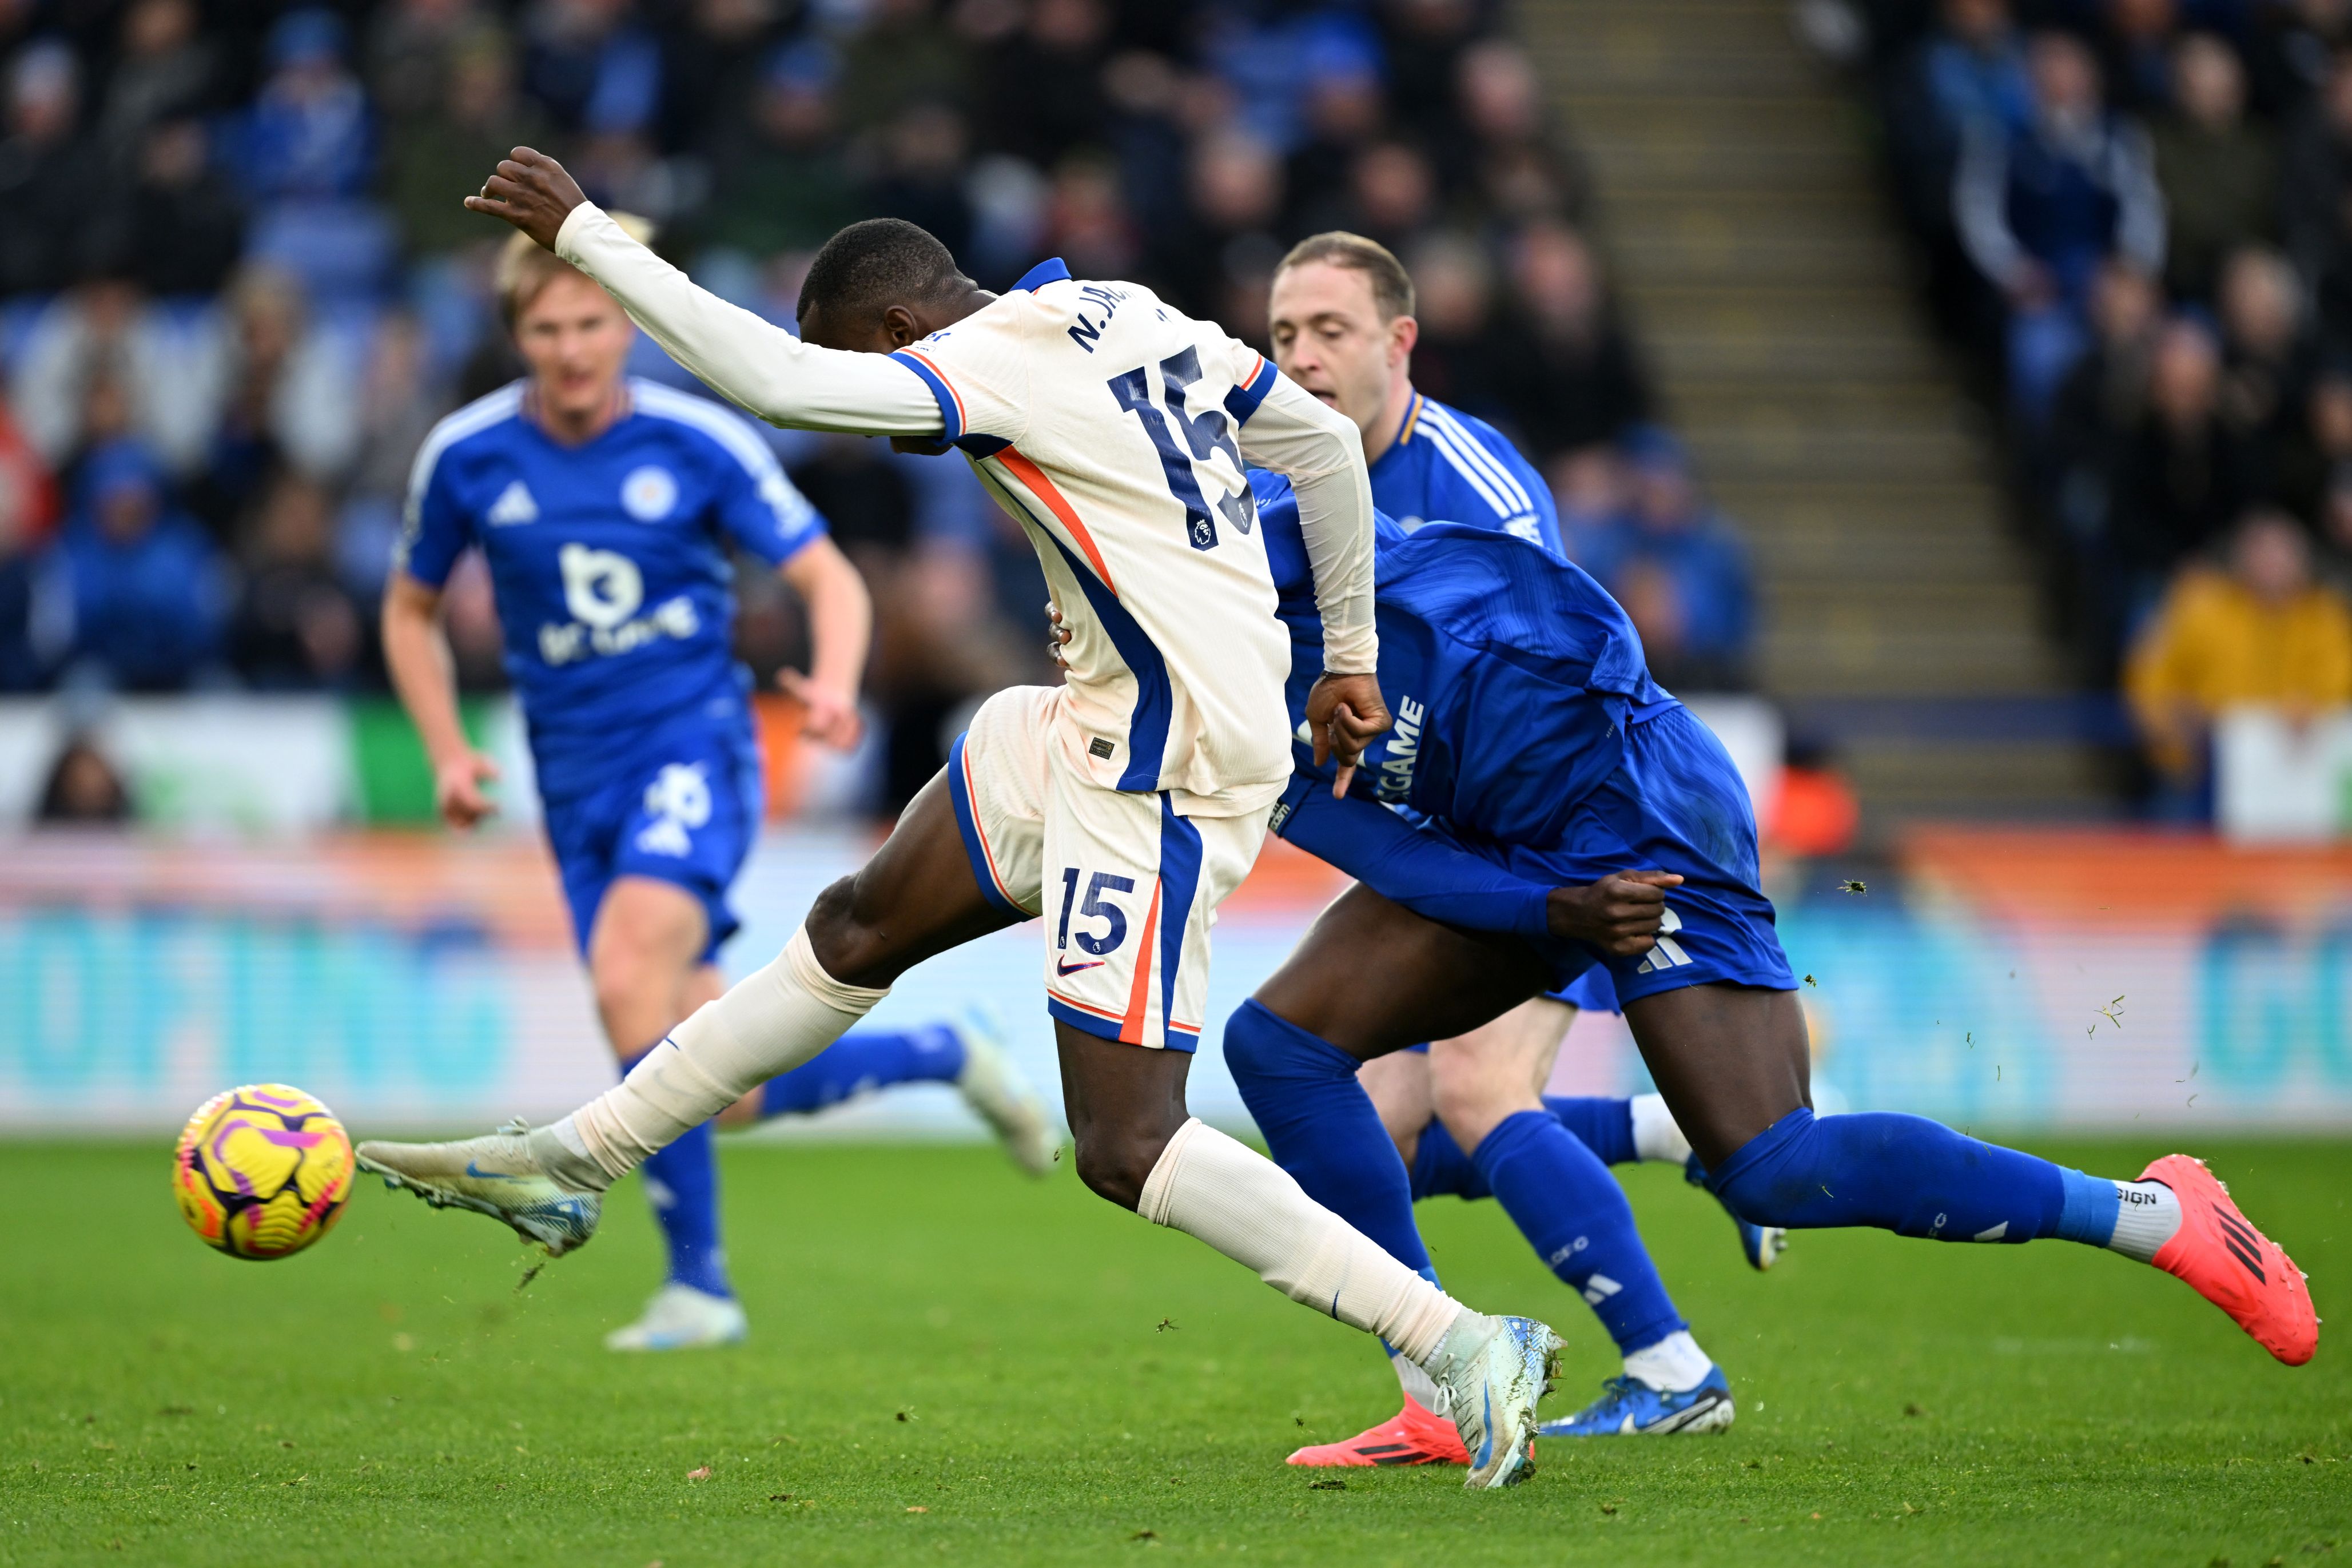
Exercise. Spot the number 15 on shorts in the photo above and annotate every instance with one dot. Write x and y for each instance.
(1079, 918)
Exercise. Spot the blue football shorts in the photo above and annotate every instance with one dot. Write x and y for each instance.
(1675, 804)
(683, 807)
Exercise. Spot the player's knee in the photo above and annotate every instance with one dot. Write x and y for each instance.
(849, 949)
(1116, 1165)
(1471, 1101)
(1778, 1177)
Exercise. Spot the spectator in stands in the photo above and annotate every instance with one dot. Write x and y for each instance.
(1506, 153)
(2319, 470)
(167, 72)
(712, 68)
(2105, 392)
(2137, 42)
(27, 513)
(100, 361)
(83, 790)
(398, 409)
(1571, 377)
(173, 220)
(1235, 186)
(1455, 358)
(923, 153)
(2041, 206)
(1393, 194)
(1679, 568)
(900, 54)
(1968, 69)
(1086, 222)
(1064, 42)
(309, 134)
(296, 627)
(590, 66)
(1594, 493)
(2257, 630)
(2294, 47)
(1345, 112)
(48, 172)
(2178, 478)
(477, 119)
(2218, 173)
(2316, 200)
(2268, 365)
(1424, 41)
(143, 588)
(412, 47)
(1973, 69)
(782, 184)
(289, 398)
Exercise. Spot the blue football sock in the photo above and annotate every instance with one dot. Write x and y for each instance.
(1909, 1176)
(683, 1182)
(1319, 1125)
(1573, 1213)
(864, 1059)
(1605, 1126)
(1439, 1168)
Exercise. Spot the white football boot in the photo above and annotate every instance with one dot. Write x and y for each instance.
(994, 1088)
(499, 1176)
(1488, 1385)
(680, 1318)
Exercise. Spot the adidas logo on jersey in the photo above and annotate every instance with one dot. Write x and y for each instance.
(514, 505)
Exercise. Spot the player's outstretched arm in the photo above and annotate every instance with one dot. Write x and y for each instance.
(1431, 876)
(760, 366)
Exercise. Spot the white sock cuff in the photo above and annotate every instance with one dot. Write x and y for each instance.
(1159, 1187)
(798, 958)
(1656, 1135)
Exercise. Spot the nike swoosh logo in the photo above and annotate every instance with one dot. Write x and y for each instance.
(1062, 966)
(1486, 1446)
(478, 1173)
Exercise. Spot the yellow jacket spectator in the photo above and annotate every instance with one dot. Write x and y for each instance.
(2260, 631)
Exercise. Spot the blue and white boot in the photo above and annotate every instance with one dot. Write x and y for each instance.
(1630, 1407)
(1760, 1243)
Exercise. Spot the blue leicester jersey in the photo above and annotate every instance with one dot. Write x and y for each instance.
(1510, 673)
(610, 561)
(1447, 467)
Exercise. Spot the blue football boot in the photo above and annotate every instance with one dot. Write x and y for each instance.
(1630, 1407)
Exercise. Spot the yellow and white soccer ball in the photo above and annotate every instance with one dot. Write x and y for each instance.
(262, 1171)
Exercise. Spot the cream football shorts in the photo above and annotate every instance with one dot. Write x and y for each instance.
(1127, 884)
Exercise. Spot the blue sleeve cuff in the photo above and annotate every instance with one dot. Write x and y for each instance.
(1242, 401)
(950, 406)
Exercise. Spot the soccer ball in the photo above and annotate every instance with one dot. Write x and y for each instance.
(262, 1171)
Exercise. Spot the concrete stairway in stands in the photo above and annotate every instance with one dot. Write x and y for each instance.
(1760, 264)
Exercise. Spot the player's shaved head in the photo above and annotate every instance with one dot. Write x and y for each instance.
(865, 271)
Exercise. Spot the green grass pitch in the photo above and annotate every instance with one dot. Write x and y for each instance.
(951, 1364)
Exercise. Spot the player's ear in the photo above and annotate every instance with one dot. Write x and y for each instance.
(1403, 332)
(899, 324)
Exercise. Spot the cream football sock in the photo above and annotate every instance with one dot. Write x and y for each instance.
(1241, 1203)
(770, 1022)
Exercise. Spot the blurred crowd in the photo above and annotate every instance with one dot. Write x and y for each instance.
(2140, 212)
(238, 286)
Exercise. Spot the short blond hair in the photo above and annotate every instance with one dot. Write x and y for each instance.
(526, 267)
(1391, 284)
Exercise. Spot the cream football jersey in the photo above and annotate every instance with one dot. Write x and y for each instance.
(1110, 425)
(1114, 428)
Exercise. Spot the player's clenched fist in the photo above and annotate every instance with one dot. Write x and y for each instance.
(530, 191)
(1618, 915)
